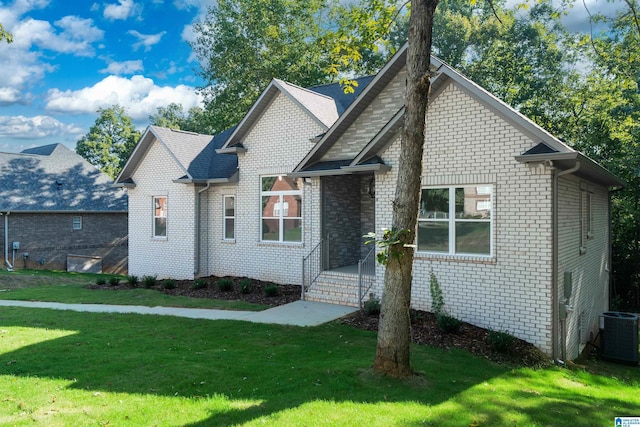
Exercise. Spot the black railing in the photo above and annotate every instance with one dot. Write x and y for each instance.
(366, 274)
(313, 264)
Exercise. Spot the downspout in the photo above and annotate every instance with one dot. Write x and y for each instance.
(555, 302)
(610, 245)
(6, 241)
(196, 270)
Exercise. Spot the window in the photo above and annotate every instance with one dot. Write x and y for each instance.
(281, 213)
(160, 216)
(456, 220)
(229, 217)
(77, 223)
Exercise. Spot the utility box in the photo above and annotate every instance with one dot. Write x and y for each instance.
(619, 341)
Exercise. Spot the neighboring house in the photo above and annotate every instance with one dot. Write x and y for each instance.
(509, 214)
(60, 212)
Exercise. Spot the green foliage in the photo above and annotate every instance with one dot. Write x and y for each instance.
(437, 299)
(114, 281)
(271, 290)
(148, 281)
(199, 284)
(391, 242)
(448, 324)
(245, 285)
(132, 280)
(110, 140)
(173, 116)
(501, 341)
(5, 35)
(225, 284)
(372, 306)
(101, 281)
(169, 284)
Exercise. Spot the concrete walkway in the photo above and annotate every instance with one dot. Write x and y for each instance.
(298, 313)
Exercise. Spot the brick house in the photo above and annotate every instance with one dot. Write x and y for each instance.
(509, 214)
(59, 212)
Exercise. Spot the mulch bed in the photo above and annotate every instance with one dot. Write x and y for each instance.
(424, 328)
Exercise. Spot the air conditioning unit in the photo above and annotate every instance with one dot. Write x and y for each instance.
(619, 337)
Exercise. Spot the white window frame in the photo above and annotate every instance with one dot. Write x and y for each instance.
(76, 223)
(165, 216)
(481, 190)
(282, 213)
(226, 217)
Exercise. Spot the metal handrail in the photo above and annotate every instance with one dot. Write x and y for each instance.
(366, 274)
(313, 264)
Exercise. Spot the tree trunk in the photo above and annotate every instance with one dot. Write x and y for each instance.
(394, 331)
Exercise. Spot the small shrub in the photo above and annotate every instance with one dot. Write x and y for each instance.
(245, 286)
(148, 281)
(372, 306)
(101, 281)
(225, 285)
(114, 281)
(199, 284)
(437, 299)
(169, 284)
(448, 324)
(132, 280)
(271, 290)
(500, 341)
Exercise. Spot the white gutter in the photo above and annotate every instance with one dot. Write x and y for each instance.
(6, 241)
(555, 303)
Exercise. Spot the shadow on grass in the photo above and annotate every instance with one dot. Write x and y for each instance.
(283, 368)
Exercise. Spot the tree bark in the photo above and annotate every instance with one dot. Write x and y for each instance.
(394, 331)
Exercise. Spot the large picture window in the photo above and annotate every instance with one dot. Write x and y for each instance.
(281, 210)
(456, 220)
(160, 216)
(229, 217)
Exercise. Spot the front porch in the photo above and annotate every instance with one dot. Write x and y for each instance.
(341, 268)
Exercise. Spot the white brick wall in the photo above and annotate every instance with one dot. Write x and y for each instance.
(171, 257)
(275, 145)
(467, 143)
(590, 277)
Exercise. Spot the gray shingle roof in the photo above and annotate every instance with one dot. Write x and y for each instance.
(54, 178)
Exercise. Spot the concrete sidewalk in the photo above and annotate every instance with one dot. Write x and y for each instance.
(298, 313)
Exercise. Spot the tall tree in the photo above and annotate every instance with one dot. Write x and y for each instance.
(173, 116)
(243, 44)
(5, 35)
(394, 331)
(110, 140)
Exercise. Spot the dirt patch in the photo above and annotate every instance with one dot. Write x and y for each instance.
(425, 330)
(256, 294)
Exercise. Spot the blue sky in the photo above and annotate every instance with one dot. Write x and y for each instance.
(71, 57)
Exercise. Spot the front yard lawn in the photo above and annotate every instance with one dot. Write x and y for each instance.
(63, 368)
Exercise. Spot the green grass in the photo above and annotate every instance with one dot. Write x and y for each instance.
(64, 368)
(53, 286)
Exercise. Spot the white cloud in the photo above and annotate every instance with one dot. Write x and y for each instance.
(9, 95)
(124, 67)
(21, 127)
(123, 10)
(139, 95)
(146, 40)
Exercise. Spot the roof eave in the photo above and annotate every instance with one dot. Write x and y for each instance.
(375, 167)
(211, 181)
(236, 149)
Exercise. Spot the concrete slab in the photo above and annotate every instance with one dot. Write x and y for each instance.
(298, 313)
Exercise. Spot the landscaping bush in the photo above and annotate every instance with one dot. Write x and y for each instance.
(114, 281)
(199, 284)
(372, 306)
(169, 284)
(245, 286)
(101, 281)
(271, 290)
(148, 281)
(502, 342)
(132, 280)
(225, 285)
(448, 324)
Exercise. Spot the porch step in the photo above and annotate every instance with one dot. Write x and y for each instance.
(335, 288)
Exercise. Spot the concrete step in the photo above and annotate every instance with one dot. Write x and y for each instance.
(350, 301)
